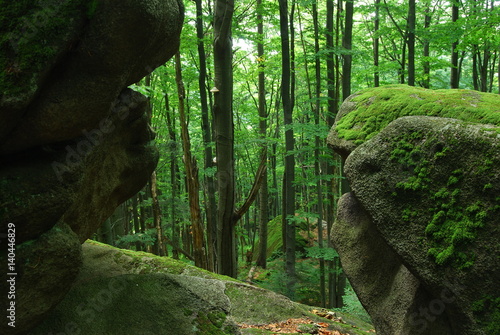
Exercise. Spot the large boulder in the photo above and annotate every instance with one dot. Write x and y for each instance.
(74, 140)
(418, 234)
(127, 292)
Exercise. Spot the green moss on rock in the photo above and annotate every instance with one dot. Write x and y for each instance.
(34, 34)
(454, 221)
(377, 107)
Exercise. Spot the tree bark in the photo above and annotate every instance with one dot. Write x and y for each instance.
(224, 137)
(347, 46)
(193, 186)
(426, 49)
(411, 41)
(174, 180)
(157, 216)
(376, 45)
(211, 204)
(289, 174)
(454, 77)
(317, 152)
(135, 216)
(263, 193)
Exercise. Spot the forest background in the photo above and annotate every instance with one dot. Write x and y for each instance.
(241, 117)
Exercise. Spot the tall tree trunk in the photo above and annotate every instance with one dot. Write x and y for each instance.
(174, 182)
(207, 139)
(317, 151)
(126, 224)
(332, 111)
(224, 137)
(263, 194)
(411, 41)
(454, 78)
(376, 45)
(157, 216)
(193, 186)
(135, 216)
(426, 51)
(289, 176)
(347, 46)
(142, 219)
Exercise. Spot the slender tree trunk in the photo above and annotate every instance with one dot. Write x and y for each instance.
(126, 224)
(330, 63)
(347, 46)
(454, 78)
(211, 204)
(411, 42)
(224, 137)
(135, 215)
(174, 182)
(263, 194)
(157, 216)
(142, 219)
(193, 186)
(376, 45)
(426, 51)
(498, 72)
(333, 102)
(289, 176)
(317, 152)
(483, 73)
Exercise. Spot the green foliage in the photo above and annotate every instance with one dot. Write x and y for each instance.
(328, 254)
(147, 238)
(353, 305)
(92, 8)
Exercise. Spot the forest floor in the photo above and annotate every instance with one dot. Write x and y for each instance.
(304, 326)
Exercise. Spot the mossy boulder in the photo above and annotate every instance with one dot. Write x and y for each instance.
(419, 232)
(275, 236)
(126, 292)
(75, 142)
(68, 61)
(425, 195)
(365, 113)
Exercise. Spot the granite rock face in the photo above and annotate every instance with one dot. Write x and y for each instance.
(418, 233)
(75, 142)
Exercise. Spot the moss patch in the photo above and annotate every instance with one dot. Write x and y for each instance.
(487, 310)
(377, 107)
(139, 262)
(275, 238)
(455, 218)
(34, 34)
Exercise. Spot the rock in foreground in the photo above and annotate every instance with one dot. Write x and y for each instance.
(75, 142)
(126, 292)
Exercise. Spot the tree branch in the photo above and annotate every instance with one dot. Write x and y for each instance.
(255, 188)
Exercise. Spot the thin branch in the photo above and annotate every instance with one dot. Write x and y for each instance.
(255, 188)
